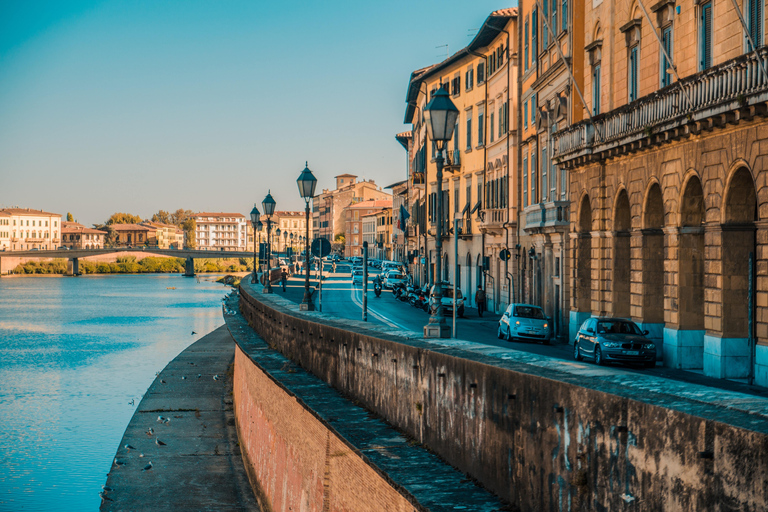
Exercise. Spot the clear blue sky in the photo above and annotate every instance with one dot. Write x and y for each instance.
(138, 106)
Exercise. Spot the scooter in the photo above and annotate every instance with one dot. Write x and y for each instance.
(377, 290)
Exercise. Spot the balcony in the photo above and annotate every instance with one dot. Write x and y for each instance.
(546, 217)
(493, 220)
(724, 94)
(452, 160)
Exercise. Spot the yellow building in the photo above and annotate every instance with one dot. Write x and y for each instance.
(166, 236)
(77, 236)
(383, 248)
(479, 185)
(26, 229)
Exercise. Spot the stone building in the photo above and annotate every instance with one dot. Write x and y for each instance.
(220, 231)
(383, 248)
(353, 224)
(327, 206)
(479, 187)
(399, 204)
(78, 236)
(292, 226)
(25, 229)
(668, 180)
(166, 236)
(132, 235)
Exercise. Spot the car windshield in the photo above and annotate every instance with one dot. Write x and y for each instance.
(395, 276)
(529, 312)
(617, 327)
(448, 293)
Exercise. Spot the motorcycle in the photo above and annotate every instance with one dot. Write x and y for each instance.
(377, 290)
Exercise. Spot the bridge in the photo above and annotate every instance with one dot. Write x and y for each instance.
(74, 255)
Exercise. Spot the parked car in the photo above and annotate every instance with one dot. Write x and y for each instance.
(524, 321)
(357, 276)
(392, 278)
(447, 300)
(614, 340)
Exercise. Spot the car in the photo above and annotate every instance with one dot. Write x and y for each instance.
(393, 278)
(524, 322)
(34, 249)
(357, 276)
(606, 340)
(447, 300)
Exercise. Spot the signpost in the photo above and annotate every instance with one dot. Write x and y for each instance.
(365, 281)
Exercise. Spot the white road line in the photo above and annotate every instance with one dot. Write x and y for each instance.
(379, 316)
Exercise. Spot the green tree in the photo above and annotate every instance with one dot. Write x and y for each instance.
(123, 218)
(109, 238)
(189, 226)
(70, 218)
(162, 216)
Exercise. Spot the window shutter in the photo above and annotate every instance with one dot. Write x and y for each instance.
(706, 36)
(534, 36)
(564, 15)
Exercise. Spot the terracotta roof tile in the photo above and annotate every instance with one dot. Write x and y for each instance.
(28, 211)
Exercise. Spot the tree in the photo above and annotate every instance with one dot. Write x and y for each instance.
(109, 238)
(189, 226)
(70, 218)
(162, 217)
(339, 241)
(123, 218)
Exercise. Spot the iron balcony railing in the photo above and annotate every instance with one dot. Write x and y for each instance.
(693, 98)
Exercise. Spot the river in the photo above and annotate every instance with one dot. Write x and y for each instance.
(76, 355)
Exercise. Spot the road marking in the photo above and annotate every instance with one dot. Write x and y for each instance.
(374, 313)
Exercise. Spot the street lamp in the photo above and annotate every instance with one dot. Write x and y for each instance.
(285, 243)
(291, 239)
(307, 183)
(260, 228)
(278, 233)
(440, 116)
(269, 209)
(255, 214)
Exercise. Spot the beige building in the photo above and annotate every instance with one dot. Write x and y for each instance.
(383, 247)
(220, 231)
(292, 226)
(78, 236)
(328, 206)
(667, 180)
(132, 235)
(479, 185)
(167, 236)
(353, 224)
(25, 229)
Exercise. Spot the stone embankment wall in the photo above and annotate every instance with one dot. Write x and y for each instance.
(535, 439)
(295, 461)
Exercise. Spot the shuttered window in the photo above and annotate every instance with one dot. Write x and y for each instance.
(525, 39)
(525, 181)
(480, 72)
(755, 20)
(525, 115)
(555, 26)
(596, 90)
(533, 178)
(564, 15)
(544, 31)
(634, 55)
(480, 126)
(544, 165)
(469, 129)
(534, 37)
(705, 36)
(666, 39)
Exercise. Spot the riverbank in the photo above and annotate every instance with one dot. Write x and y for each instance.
(131, 264)
(190, 459)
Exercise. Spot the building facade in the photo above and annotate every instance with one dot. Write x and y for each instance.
(399, 205)
(166, 236)
(328, 206)
(292, 226)
(219, 231)
(667, 180)
(353, 224)
(368, 226)
(383, 247)
(479, 187)
(78, 236)
(132, 235)
(25, 229)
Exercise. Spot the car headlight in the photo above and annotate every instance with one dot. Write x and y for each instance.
(517, 322)
(649, 346)
(545, 326)
(611, 344)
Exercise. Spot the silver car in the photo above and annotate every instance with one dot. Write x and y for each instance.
(524, 322)
(614, 340)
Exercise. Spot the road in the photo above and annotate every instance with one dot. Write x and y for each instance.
(342, 299)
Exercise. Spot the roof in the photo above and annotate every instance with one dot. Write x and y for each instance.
(403, 138)
(74, 227)
(218, 214)
(130, 227)
(492, 26)
(346, 176)
(158, 224)
(289, 214)
(397, 184)
(28, 211)
(373, 203)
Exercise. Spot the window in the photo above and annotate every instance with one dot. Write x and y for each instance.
(705, 36)
(456, 86)
(456, 135)
(564, 15)
(480, 126)
(534, 37)
(469, 129)
(634, 56)
(555, 26)
(525, 181)
(544, 166)
(525, 115)
(666, 39)
(754, 16)
(469, 79)
(480, 72)
(501, 121)
(533, 111)
(491, 123)
(533, 178)
(596, 90)
(544, 31)
(525, 41)
(563, 183)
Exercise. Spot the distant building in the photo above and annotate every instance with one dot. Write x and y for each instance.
(167, 236)
(383, 249)
(399, 199)
(24, 229)
(353, 223)
(128, 235)
(292, 225)
(328, 206)
(221, 231)
(77, 236)
(369, 229)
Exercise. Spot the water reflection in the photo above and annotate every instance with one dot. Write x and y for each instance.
(73, 353)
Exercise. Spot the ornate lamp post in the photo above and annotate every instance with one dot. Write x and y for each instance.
(307, 183)
(285, 242)
(291, 238)
(278, 233)
(255, 214)
(269, 209)
(260, 228)
(440, 117)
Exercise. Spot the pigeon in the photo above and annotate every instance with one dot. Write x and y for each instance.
(147, 467)
(119, 463)
(159, 442)
(183, 377)
(106, 488)
(160, 419)
(104, 496)
(141, 455)
(129, 447)
(166, 420)
(199, 375)
(162, 381)
(150, 431)
(131, 402)
(215, 377)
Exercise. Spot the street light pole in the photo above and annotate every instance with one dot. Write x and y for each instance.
(440, 115)
(269, 209)
(306, 183)
(255, 214)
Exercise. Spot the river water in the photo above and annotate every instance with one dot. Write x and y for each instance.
(74, 353)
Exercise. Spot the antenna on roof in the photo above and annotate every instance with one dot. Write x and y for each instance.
(471, 30)
(447, 54)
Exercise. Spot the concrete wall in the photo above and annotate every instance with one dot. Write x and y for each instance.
(539, 443)
(295, 461)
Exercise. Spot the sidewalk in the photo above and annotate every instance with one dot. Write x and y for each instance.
(200, 466)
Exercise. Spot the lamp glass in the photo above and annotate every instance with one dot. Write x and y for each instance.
(307, 183)
(269, 205)
(255, 214)
(440, 115)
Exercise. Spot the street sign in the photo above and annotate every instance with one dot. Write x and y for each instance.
(504, 255)
(321, 247)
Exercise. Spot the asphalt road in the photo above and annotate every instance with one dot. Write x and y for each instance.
(342, 299)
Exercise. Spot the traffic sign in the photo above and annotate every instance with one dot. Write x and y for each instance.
(504, 255)
(321, 247)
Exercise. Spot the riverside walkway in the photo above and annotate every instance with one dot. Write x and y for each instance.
(199, 466)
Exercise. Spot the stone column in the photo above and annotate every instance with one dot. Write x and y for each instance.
(189, 267)
(761, 303)
(602, 272)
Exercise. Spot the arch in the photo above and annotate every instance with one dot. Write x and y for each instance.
(692, 202)
(583, 257)
(652, 258)
(653, 207)
(597, 31)
(740, 198)
(622, 254)
(691, 267)
(585, 215)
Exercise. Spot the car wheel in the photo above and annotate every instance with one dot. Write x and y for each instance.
(500, 334)
(598, 356)
(508, 336)
(576, 351)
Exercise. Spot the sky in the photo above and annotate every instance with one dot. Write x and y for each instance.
(139, 106)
